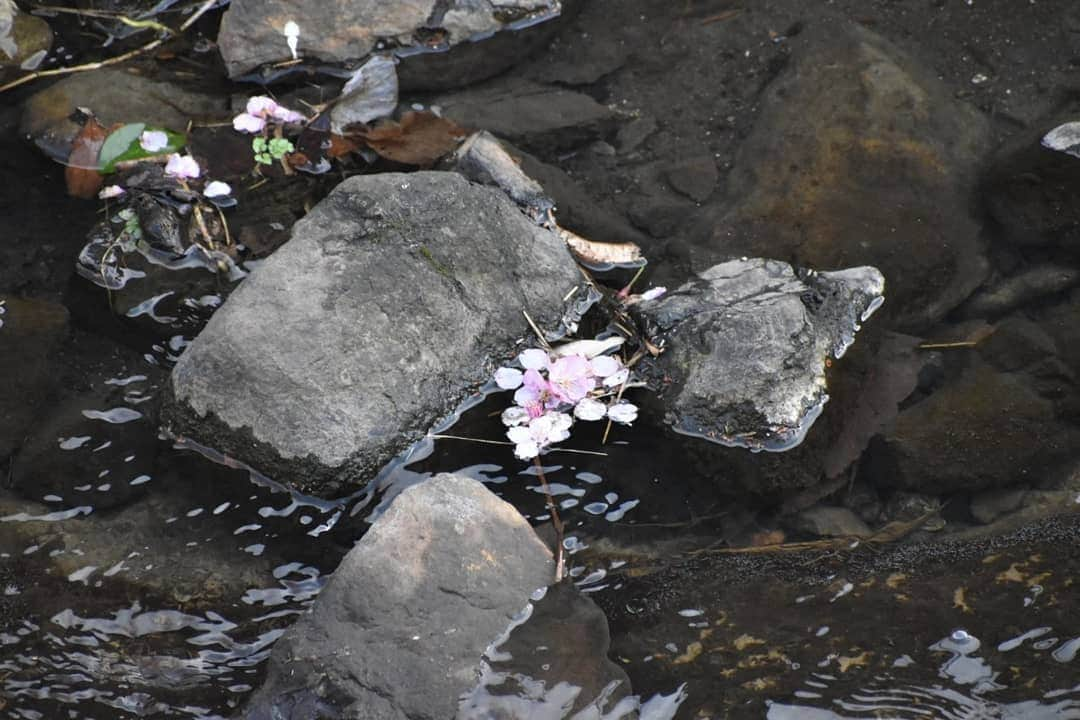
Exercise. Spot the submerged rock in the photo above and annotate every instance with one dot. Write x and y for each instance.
(747, 343)
(113, 96)
(343, 30)
(860, 156)
(539, 118)
(402, 625)
(987, 429)
(395, 298)
(24, 39)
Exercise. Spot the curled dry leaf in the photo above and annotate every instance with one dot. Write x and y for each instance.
(420, 138)
(602, 255)
(81, 174)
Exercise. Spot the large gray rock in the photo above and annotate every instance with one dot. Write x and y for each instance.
(860, 156)
(396, 296)
(342, 30)
(747, 344)
(400, 630)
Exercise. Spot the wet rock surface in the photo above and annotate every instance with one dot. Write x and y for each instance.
(339, 31)
(860, 157)
(24, 38)
(976, 433)
(401, 627)
(408, 289)
(747, 342)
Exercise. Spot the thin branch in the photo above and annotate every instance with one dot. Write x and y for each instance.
(556, 521)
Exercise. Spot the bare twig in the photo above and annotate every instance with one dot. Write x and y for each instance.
(110, 61)
(536, 330)
(556, 521)
(947, 346)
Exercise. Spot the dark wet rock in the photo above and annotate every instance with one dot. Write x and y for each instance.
(746, 347)
(338, 31)
(24, 38)
(1062, 321)
(539, 118)
(904, 507)
(986, 429)
(830, 521)
(97, 449)
(575, 208)
(402, 625)
(561, 647)
(1016, 343)
(864, 501)
(396, 297)
(581, 59)
(631, 135)
(659, 214)
(859, 156)
(483, 159)
(988, 506)
(1030, 191)
(1027, 285)
(31, 332)
(114, 96)
(694, 177)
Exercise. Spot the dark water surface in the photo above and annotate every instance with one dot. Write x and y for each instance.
(146, 577)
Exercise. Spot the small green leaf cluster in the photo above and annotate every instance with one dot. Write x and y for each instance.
(266, 151)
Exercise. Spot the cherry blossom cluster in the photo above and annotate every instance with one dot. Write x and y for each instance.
(552, 391)
(261, 110)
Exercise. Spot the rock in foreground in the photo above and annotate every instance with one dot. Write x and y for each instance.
(401, 627)
(747, 344)
(395, 297)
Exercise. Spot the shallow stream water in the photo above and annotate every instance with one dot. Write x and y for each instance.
(159, 592)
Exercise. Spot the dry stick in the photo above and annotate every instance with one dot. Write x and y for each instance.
(110, 61)
(556, 522)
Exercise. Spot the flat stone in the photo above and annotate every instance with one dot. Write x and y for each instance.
(396, 297)
(830, 521)
(695, 178)
(401, 627)
(539, 118)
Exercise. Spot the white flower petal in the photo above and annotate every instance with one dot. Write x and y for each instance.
(110, 191)
(515, 415)
(245, 122)
(605, 365)
(533, 359)
(527, 450)
(616, 379)
(508, 378)
(589, 409)
(183, 167)
(216, 188)
(622, 412)
(653, 293)
(519, 434)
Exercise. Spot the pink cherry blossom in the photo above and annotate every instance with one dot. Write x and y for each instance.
(535, 394)
(515, 415)
(285, 115)
(570, 378)
(617, 378)
(182, 167)
(261, 106)
(153, 140)
(508, 378)
(248, 123)
(533, 359)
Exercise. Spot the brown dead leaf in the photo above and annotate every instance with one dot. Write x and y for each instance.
(589, 252)
(766, 538)
(420, 138)
(340, 146)
(81, 174)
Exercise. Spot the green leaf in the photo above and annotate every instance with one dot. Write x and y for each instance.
(258, 144)
(280, 147)
(123, 145)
